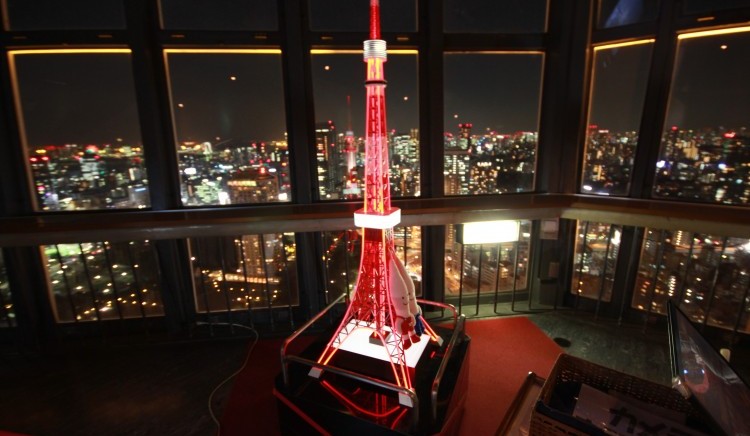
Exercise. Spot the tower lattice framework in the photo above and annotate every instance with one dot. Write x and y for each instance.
(371, 306)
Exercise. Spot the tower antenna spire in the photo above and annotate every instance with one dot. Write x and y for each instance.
(374, 19)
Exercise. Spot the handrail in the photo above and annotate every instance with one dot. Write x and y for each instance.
(363, 378)
(446, 306)
(128, 225)
(293, 336)
(460, 325)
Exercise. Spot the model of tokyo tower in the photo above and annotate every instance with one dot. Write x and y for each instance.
(383, 302)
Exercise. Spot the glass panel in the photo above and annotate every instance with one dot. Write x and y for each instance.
(80, 128)
(230, 126)
(340, 115)
(596, 250)
(704, 145)
(493, 16)
(614, 13)
(354, 15)
(706, 274)
(341, 258)
(501, 264)
(7, 313)
(246, 272)
(701, 274)
(618, 92)
(220, 14)
(653, 285)
(103, 280)
(65, 14)
(732, 285)
(704, 6)
(491, 122)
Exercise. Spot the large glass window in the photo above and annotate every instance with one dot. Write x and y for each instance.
(79, 125)
(341, 258)
(230, 126)
(704, 147)
(338, 86)
(618, 91)
(495, 16)
(708, 275)
(486, 268)
(353, 15)
(491, 122)
(64, 14)
(219, 14)
(7, 313)
(94, 281)
(615, 13)
(595, 260)
(245, 272)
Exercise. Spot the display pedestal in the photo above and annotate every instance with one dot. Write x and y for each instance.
(354, 393)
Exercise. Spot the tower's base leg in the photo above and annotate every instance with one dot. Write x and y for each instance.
(333, 404)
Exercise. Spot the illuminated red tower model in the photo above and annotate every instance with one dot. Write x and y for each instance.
(381, 302)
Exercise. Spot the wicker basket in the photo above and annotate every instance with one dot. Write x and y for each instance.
(568, 368)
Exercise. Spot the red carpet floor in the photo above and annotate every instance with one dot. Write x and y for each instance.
(503, 351)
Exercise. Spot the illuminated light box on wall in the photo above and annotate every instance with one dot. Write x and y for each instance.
(488, 232)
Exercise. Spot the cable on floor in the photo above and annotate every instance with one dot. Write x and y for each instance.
(234, 374)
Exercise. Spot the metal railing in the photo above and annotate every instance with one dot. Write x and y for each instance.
(458, 329)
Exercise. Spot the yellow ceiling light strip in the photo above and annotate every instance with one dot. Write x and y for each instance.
(223, 50)
(322, 51)
(72, 51)
(623, 44)
(714, 32)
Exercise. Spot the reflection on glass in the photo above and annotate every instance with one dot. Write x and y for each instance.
(708, 275)
(493, 16)
(703, 155)
(229, 118)
(499, 265)
(65, 14)
(618, 92)
(595, 260)
(615, 13)
(7, 314)
(94, 281)
(219, 15)
(341, 258)
(353, 15)
(340, 116)
(80, 127)
(245, 272)
(491, 122)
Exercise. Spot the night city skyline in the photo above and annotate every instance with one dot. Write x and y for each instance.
(48, 82)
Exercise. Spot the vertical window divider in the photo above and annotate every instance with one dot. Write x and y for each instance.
(66, 283)
(262, 248)
(604, 271)
(137, 284)
(688, 263)
(224, 287)
(92, 291)
(288, 282)
(248, 295)
(659, 260)
(715, 280)
(115, 292)
(203, 287)
(656, 101)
